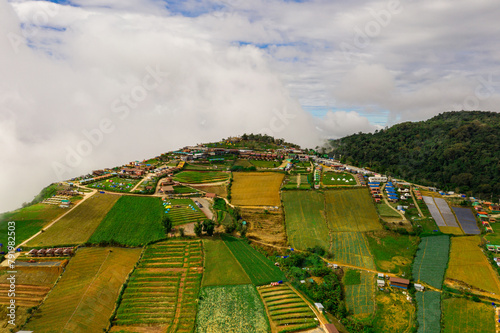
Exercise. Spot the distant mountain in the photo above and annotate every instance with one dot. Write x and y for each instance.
(456, 151)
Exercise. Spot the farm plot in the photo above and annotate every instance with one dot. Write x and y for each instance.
(351, 248)
(442, 215)
(305, 219)
(220, 190)
(84, 297)
(256, 188)
(335, 178)
(115, 184)
(265, 226)
(260, 269)
(78, 225)
(436, 215)
(465, 316)
(181, 189)
(162, 292)
(429, 312)
(446, 212)
(360, 298)
(231, 309)
(394, 313)
(430, 262)
(287, 310)
(466, 253)
(182, 211)
(29, 220)
(201, 177)
(221, 267)
(132, 221)
(467, 220)
(351, 210)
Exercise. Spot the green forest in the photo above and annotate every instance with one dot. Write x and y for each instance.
(455, 151)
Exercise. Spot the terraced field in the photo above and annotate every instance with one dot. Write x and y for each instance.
(352, 248)
(287, 310)
(305, 219)
(256, 188)
(182, 211)
(163, 290)
(201, 177)
(360, 298)
(79, 224)
(84, 297)
(260, 269)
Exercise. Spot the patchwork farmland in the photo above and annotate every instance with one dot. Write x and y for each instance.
(79, 224)
(221, 267)
(287, 310)
(201, 177)
(182, 211)
(430, 262)
(305, 219)
(360, 298)
(231, 309)
(429, 311)
(260, 269)
(132, 221)
(256, 188)
(442, 215)
(352, 248)
(351, 210)
(162, 291)
(465, 253)
(466, 316)
(84, 297)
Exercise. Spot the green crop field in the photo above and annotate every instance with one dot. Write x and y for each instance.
(430, 262)
(260, 269)
(221, 267)
(29, 220)
(115, 184)
(231, 309)
(78, 225)
(335, 178)
(360, 298)
(429, 311)
(465, 316)
(305, 219)
(351, 210)
(352, 248)
(182, 211)
(465, 253)
(195, 177)
(287, 310)
(180, 189)
(84, 297)
(392, 252)
(265, 164)
(384, 210)
(162, 292)
(132, 221)
(256, 188)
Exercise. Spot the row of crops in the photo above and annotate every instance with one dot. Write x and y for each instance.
(163, 290)
(287, 310)
(182, 211)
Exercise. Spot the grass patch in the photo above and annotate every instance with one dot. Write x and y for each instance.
(115, 184)
(231, 309)
(78, 225)
(352, 277)
(384, 210)
(335, 179)
(394, 313)
(195, 177)
(132, 221)
(221, 267)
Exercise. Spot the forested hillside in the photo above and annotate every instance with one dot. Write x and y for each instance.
(455, 151)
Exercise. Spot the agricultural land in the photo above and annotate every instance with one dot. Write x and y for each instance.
(429, 311)
(431, 260)
(182, 211)
(201, 177)
(464, 315)
(360, 296)
(256, 188)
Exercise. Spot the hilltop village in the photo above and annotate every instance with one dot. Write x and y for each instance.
(251, 234)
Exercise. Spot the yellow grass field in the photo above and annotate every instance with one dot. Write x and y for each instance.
(256, 188)
(469, 265)
(451, 230)
(77, 227)
(84, 297)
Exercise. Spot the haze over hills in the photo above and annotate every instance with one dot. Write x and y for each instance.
(456, 151)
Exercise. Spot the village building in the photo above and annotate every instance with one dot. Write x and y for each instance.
(399, 282)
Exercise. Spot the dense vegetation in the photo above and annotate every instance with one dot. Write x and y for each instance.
(456, 151)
